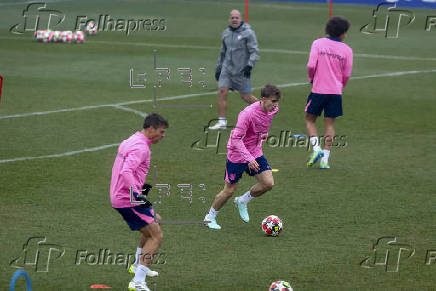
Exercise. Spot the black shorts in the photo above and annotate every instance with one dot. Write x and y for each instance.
(330, 103)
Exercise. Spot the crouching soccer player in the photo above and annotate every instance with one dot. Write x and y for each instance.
(129, 171)
(244, 154)
(329, 69)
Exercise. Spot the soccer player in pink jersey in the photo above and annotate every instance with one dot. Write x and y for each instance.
(244, 154)
(129, 173)
(329, 67)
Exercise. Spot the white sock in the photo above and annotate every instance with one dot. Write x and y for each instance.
(315, 144)
(222, 120)
(137, 256)
(212, 213)
(245, 198)
(140, 273)
(325, 159)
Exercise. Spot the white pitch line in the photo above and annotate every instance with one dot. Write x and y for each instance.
(140, 113)
(391, 74)
(265, 50)
(94, 149)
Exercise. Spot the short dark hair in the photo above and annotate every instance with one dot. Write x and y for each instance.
(270, 91)
(155, 120)
(336, 26)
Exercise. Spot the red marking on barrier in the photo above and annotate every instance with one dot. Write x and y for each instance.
(246, 10)
(331, 9)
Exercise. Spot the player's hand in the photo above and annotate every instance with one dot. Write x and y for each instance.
(254, 166)
(247, 71)
(139, 197)
(217, 73)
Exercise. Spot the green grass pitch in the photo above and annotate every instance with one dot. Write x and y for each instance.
(382, 184)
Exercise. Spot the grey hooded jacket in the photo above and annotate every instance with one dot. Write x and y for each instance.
(239, 48)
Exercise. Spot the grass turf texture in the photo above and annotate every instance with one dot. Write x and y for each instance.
(379, 185)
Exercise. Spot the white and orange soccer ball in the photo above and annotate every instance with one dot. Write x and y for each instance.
(79, 36)
(272, 225)
(280, 286)
(91, 28)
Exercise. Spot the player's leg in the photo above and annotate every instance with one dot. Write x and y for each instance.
(224, 83)
(141, 243)
(220, 199)
(265, 183)
(152, 235)
(314, 107)
(222, 107)
(333, 109)
(244, 85)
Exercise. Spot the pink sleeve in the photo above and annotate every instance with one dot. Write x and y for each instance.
(348, 67)
(131, 163)
(238, 133)
(313, 61)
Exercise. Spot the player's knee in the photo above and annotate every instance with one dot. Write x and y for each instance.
(268, 185)
(222, 92)
(158, 235)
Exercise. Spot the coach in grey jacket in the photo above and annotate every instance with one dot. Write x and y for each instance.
(239, 52)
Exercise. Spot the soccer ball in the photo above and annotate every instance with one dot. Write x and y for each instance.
(51, 36)
(67, 36)
(79, 36)
(39, 35)
(91, 28)
(280, 286)
(45, 35)
(57, 36)
(272, 225)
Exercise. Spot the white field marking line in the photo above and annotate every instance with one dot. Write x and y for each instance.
(28, 2)
(140, 113)
(394, 74)
(391, 74)
(265, 50)
(94, 149)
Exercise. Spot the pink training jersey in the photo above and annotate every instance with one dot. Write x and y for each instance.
(245, 142)
(130, 169)
(329, 66)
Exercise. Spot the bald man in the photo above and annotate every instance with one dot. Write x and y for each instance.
(239, 52)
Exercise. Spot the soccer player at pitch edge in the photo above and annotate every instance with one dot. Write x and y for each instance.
(329, 68)
(129, 174)
(244, 154)
(239, 51)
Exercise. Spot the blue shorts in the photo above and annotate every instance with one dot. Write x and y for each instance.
(137, 217)
(330, 103)
(234, 171)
